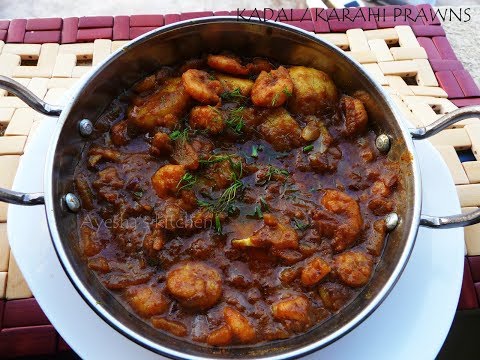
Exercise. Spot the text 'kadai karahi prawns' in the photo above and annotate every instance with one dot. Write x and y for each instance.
(234, 201)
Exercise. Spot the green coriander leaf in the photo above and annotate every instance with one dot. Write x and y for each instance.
(308, 148)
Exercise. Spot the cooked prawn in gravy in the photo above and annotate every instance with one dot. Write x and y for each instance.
(233, 201)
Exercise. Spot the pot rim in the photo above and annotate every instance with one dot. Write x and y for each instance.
(51, 203)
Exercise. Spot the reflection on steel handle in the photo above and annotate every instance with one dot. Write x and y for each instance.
(445, 121)
(18, 198)
(28, 97)
(447, 222)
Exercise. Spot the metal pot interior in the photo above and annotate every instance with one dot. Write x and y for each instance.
(176, 43)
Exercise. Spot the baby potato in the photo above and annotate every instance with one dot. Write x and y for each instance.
(272, 89)
(166, 179)
(147, 301)
(354, 268)
(281, 130)
(313, 91)
(239, 325)
(200, 86)
(230, 83)
(163, 108)
(207, 118)
(195, 285)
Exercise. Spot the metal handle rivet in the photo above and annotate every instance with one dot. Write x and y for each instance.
(72, 202)
(382, 142)
(391, 221)
(85, 127)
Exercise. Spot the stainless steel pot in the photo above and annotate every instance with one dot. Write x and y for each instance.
(175, 43)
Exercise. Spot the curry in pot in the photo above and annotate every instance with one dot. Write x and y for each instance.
(234, 201)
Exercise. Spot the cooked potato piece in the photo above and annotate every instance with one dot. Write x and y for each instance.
(207, 118)
(296, 308)
(184, 154)
(99, 264)
(313, 91)
(230, 83)
(220, 337)
(145, 84)
(153, 242)
(147, 301)
(161, 144)
(195, 285)
(84, 192)
(119, 133)
(101, 153)
(108, 177)
(281, 130)
(354, 268)
(340, 203)
(314, 271)
(274, 233)
(221, 173)
(200, 86)
(334, 295)
(376, 240)
(174, 327)
(165, 180)
(356, 117)
(258, 65)
(89, 244)
(163, 108)
(272, 89)
(227, 64)
(239, 325)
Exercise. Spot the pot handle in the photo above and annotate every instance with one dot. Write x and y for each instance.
(445, 121)
(18, 198)
(28, 97)
(452, 221)
(41, 106)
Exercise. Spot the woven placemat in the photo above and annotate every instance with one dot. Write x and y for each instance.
(412, 59)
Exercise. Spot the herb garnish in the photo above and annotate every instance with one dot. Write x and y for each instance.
(177, 134)
(225, 202)
(287, 92)
(138, 194)
(300, 225)
(235, 120)
(257, 213)
(215, 158)
(275, 99)
(273, 170)
(308, 148)
(234, 95)
(186, 182)
(254, 151)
